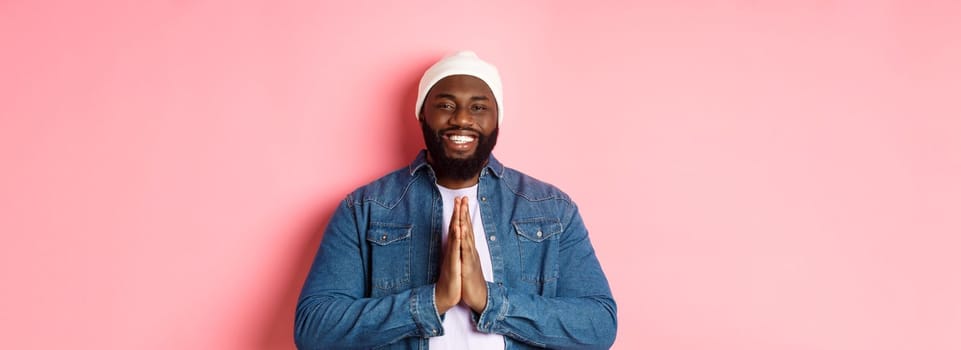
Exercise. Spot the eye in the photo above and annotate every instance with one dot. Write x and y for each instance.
(478, 108)
(445, 106)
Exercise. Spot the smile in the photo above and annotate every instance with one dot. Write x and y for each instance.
(460, 139)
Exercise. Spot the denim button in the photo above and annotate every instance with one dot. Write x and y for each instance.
(384, 237)
(483, 199)
(433, 331)
(539, 233)
(493, 238)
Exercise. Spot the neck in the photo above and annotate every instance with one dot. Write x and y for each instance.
(454, 183)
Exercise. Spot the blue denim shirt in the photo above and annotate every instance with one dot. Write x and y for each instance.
(372, 282)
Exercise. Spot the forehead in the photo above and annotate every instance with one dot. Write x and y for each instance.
(461, 84)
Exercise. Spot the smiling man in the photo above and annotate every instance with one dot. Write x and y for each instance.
(456, 251)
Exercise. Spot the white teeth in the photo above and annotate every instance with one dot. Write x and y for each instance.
(461, 139)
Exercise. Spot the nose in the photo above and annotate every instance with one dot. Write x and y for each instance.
(461, 118)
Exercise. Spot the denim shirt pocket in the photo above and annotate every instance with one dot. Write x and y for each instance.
(537, 239)
(390, 250)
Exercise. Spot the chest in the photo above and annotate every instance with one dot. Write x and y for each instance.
(402, 246)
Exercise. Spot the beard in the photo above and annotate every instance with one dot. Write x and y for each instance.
(454, 168)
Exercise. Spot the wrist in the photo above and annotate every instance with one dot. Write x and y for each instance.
(441, 301)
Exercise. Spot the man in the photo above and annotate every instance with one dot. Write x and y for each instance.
(456, 251)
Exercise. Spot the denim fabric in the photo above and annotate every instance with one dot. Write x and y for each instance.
(372, 282)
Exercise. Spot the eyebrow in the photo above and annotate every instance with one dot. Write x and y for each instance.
(452, 97)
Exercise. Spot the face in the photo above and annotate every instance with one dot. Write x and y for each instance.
(459, 122)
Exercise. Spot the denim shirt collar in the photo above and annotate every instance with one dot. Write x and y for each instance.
(495, 167)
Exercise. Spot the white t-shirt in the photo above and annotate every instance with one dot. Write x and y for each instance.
(459, 329)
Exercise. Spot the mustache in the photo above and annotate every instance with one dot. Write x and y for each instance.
(458, 128)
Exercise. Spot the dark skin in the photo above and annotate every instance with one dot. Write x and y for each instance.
(464, 103)
(462, 108)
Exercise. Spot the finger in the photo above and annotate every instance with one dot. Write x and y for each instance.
(464, 215)
(454, 237)
(465, 224)
(453, 244)
(464, 211)
(468, 228)
(454, 220)
(460, 216)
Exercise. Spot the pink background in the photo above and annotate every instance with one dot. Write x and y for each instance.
(756, 175)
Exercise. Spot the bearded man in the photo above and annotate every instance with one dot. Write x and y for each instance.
(456, 251)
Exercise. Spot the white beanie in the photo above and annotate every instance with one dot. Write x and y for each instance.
(461, 63)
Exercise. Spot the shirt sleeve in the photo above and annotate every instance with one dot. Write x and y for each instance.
(582, 314)
(333, 312)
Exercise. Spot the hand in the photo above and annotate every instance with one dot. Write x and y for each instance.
(474, 288)
(461, 276)
(447, 292)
